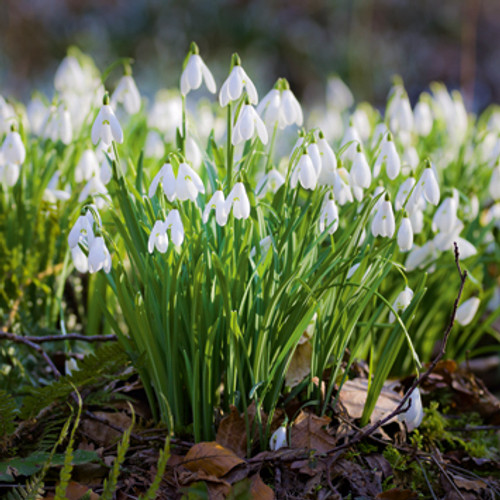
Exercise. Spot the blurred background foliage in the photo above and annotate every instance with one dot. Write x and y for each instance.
(366, 42)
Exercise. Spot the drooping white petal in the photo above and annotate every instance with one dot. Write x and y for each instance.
(405, 235)
(467, 311)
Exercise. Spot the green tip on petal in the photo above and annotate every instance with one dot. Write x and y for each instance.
(284, 84)
(427, 163)
(321, 135)
(235, 60)
(105, 99)
(389, 136)
(194, 48)
(247, 99)
(387, 197)
(127, 69)
(13, 127)
(405, 214)
(358, 148)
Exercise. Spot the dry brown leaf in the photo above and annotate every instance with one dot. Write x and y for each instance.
(309, 431)
(75, 491)
(103, 434)
(259, 490)
(397, 494)
(212, 458)
(353, 397)
(300, 365)
(469, 484)
(232, 433)
(218, 488)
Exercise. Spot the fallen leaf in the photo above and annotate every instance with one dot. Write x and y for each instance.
(232, 433)
(218, 489)
(300, 365)
(353, 394)
(361, 481)
(259, 490)
(397, 494)
(309, 431)
(212, 458)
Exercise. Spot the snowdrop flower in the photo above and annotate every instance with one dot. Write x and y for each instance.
(403, 193)
(360, 171)
(361, 123)
(158, 238)
(13, 150)
(9, 173)
(193, 153)
(420, 256)
(471, 209)
(238, 201)
(126, 93)
(414, 415)
(305, 173)
(278, 439)
(341, 186)
(313, 151)
(106, 126)
(329, 217)
(247, 124)
(352, 138)
(82, 231)
(7, 116)
(94, 188)
(423, 118)
(80, 260)
(445, 216)
(271, 181)
(388, 154)
(338, 94)
(403, 300)
(383, 223)
(237, 80)
(410, 159)
(37, 112)
(52, 194)
(174, 223)
(167, 178)
(154, 147)
(69, 75)
(405, 234)
(494, 186)
(188, 183)
(328, 161)
(379, 132)
(399, 111)
(264, 244)
(280, 105)
(99, 257)
(429, 186)
(57, 124)
(195, 72)
(467, 311)
(87, 166)
(417, 221)
(217, 203)
(166, 114)
(105, 172)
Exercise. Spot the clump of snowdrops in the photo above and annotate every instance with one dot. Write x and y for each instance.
(243, 256)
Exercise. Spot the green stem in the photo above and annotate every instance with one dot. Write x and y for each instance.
(271, 149)
(184, 120)
(230, 148)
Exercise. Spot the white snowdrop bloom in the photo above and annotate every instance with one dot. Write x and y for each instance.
(64, 125)
(338, 94)
(329, 216)
(467, 311)
(417, 221)
(174, 224)
(361, 123)
(379, 132)
(82, 231)
(403, 194)
(13, 150)
(80, 260)
(217, 203)
(410, 159)
(94, 188)
(313, 151)
(341, 186)
(378, 190)
(247, 125)
(9, 173)
(167, 178)
(430, 186)
(7, 116)
(471, 209)
(403, 300)
(399, 111)
(238, 201)
(465, 248)
(237, 80)
(265, 245)
(195, 72)
(37, 111)
(188, 183)
(360, 171)
(154, 147)
(305, 173)
(352, 270)
(106, 126)
(494, 186)
(389, 155)
(297, 145)
(328, 162)
(280, 105)
(383, 223)
(420, 256)
(193, 153)
(158, 238)
(127, 93)
(357, 192)
(166, 114)
(269, 108)
(423, 118)
(69, 76)
(99, 257)
(271, 181)
(445, 216)
(278, 439)
(352, 138)
(290, 110)
(105, 172)
(405, 235)
(52, 194)
(414, 415)
(494, 303)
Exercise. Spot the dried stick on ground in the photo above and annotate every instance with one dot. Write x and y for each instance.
(57, 338)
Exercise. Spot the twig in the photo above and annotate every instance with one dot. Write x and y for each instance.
(447, 476)
(403, 404)
(56, 338)
(19, 339)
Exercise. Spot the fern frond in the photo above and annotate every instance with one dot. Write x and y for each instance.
(160, 470)
(8, 413)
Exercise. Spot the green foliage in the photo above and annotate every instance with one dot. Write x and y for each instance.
(160, 470)
(93, 369)
(8, 413)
